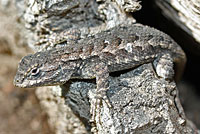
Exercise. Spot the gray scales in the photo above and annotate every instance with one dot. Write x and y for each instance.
(117, 49)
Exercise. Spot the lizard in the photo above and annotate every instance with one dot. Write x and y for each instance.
(116, 49)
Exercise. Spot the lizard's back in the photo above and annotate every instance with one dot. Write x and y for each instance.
(123, 46)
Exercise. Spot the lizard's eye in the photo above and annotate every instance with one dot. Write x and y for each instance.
(34, 71)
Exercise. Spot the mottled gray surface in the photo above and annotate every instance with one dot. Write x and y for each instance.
(45, 28)
(46, 19)
(142, 103)
(117, 49)
(132, 112)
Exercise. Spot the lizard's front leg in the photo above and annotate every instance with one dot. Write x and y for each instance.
(102, 76)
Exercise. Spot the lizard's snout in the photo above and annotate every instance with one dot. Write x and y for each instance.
(17, 81)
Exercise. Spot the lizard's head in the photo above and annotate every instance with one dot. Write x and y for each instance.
(41, 69)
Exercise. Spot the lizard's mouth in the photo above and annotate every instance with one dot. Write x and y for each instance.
(22, 83)
(19, 83)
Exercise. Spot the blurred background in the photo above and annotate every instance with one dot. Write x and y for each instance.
(20, 112)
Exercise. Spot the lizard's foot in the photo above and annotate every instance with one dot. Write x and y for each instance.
(96, 103)
(164, 67)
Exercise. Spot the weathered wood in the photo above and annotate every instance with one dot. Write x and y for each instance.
(186, 14)
(143, 103)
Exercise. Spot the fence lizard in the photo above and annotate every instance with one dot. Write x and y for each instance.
(119, 48)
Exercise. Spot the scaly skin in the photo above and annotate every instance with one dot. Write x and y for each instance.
(120, 48)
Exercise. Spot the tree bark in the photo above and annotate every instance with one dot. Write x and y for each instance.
(185, 14)
(142, 103)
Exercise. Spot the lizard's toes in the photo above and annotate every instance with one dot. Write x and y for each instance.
(164, 67)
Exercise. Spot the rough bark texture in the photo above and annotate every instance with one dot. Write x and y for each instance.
(142, 103)
(185, 13)
(44, 18)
